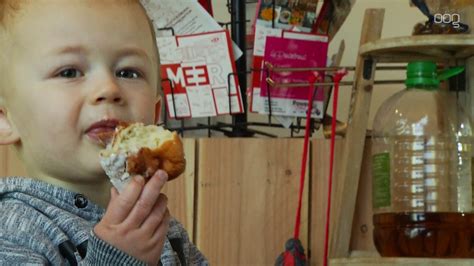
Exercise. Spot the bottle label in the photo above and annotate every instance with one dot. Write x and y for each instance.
(381, 184)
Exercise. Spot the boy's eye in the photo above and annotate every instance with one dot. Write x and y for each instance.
(70, 73)
(128, 74)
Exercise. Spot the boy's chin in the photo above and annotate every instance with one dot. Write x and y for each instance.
(95, 173)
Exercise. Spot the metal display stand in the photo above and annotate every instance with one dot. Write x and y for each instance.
(240, 126)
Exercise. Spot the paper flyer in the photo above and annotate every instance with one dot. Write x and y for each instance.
(261, 34)
(184, 16)
(197, 66)
(292, 53)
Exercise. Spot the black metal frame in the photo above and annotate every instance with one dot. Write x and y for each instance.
(240, 124)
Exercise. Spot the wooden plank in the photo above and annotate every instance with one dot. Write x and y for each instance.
(319, 191)
(247, 198)
(403, 57)
(347, 180)
(361, 237)
(180, 191)
(377, 261)
(438, 47)
(362, 227)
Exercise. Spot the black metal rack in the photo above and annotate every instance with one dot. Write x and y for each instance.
(240, 126)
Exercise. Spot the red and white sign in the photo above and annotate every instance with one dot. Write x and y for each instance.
(195, 70)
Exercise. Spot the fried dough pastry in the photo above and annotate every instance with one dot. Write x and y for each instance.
(137, 149)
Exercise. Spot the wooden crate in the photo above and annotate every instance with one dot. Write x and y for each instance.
(247, 197)
(319, 190)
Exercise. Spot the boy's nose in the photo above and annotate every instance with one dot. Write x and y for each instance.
(108, 92)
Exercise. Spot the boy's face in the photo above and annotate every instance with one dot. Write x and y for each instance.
(72, 64)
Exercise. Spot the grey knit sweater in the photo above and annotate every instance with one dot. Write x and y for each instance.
(48, 225)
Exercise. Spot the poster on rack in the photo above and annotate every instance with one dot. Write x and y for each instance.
(292, 53)
(287, 14)
(261, 34)
(195, 75)
(184, 17)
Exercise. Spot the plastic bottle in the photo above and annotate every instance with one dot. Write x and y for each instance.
(421, 170)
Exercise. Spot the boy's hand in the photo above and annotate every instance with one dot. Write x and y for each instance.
(137, 220)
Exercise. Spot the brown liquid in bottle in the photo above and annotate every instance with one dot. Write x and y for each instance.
(446, 235)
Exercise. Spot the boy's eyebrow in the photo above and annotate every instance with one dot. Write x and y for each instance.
(70, 49)
(78, 49)
(130, 51)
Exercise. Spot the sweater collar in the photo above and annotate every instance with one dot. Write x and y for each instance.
(23, 188)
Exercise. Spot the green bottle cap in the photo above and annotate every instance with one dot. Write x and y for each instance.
(423, 74)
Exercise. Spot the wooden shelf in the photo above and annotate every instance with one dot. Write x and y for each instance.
(404, 49)
(377, 261)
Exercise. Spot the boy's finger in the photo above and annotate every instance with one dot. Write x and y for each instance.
(147, 199)
(160, 233)
(113, 193)
(156, 215)
(120, 205)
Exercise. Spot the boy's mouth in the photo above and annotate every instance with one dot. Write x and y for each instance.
(102, 131)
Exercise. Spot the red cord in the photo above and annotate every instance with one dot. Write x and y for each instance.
(305, 153)
(316, 77)
(337, 78)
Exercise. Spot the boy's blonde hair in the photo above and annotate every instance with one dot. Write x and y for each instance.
(6, 7)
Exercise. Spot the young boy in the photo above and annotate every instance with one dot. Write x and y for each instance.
(70, 70)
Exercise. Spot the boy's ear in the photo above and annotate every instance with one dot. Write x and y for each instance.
(8, 134)
(157, 110)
